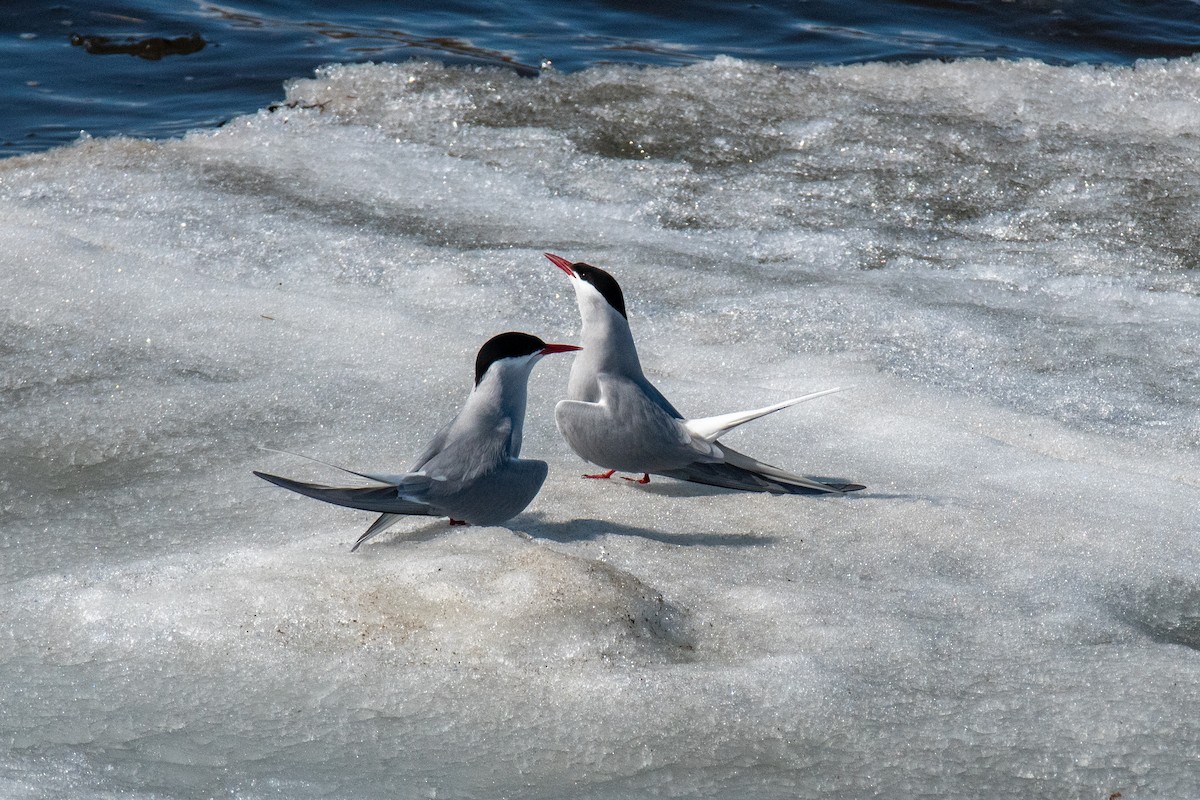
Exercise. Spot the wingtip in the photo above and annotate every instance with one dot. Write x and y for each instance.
(384, 522)
(367, 535)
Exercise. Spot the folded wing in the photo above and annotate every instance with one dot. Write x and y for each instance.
(382, 499)
(740, 471)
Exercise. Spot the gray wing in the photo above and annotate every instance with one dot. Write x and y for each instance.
(629, 430)
(433, 448)
(381, 499)
(466, 458)
(740, 471)
(657, 397)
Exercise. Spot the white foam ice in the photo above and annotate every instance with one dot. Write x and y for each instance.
(1000, 257)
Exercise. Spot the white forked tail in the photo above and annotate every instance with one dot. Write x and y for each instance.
(712, 428)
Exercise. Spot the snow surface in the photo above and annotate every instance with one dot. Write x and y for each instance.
(999, 257)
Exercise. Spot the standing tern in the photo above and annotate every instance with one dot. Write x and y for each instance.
(470, 472)
(616, 419)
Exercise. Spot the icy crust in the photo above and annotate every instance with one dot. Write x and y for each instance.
(480, 598)
(249, 659)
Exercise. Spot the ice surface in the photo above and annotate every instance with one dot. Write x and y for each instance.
(1000, 257)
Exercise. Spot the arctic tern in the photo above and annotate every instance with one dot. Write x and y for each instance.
(615, 418)
(471, 471)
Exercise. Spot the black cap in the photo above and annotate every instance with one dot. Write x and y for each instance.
(605, 284)
(513, 344)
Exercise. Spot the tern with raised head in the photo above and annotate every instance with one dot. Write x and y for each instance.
(614, 418)
(471, 471)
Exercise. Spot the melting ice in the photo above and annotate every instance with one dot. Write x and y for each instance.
(999, 257)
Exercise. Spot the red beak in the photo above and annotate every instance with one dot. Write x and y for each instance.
(561, 263)
(558, 348)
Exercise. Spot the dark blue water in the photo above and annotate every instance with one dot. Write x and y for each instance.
(159, 68)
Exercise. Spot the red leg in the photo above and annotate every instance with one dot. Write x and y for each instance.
(454, 521)
(642, 480)
(602, 476)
